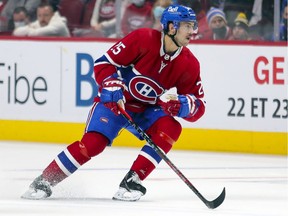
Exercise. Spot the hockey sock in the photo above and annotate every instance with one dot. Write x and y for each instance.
(164, 133)
(74, 156)
(146, 162)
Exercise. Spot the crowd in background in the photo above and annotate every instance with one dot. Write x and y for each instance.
(217, 19)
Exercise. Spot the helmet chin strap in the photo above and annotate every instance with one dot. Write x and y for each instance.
(173, 38)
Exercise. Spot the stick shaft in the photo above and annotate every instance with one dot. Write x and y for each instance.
(209, 204)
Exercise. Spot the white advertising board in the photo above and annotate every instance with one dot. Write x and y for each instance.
(245, 86)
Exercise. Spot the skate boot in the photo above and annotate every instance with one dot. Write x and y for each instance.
(130, 188)
(39, 189)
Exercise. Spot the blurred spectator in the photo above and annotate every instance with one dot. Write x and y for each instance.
(199, 7)
(233, 7)
(7, 11)
(3, 20)
(2, 3)
(218, 24)
(48, 23)
(137, 15)
(158, 9)
(78, 14)
(53, 3)
(283, 24)
(20, 18)
(256, 13)
(240, 28)
(262, 20)
(30, 5)
(103, 20)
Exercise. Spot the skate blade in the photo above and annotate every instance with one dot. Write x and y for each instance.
(31, 194)
(124, 195)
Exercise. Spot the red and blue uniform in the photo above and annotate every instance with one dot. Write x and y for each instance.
(140, 59)
(148, 72)
(137, 70)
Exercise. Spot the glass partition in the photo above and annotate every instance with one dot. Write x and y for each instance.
(259, 20)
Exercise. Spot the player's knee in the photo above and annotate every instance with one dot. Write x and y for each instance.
(165, 132)
(93, 143)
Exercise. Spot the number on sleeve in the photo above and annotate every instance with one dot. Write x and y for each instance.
(200, 91)
(117, 48)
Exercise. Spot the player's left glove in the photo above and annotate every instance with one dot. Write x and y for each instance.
(112, 93)
(180, 105)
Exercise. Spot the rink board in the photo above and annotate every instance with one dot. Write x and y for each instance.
(190, 139)
(48, 100)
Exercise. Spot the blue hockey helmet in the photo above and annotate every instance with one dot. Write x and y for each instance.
(177, 14)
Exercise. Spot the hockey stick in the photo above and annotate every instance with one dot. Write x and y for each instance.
(210, 204)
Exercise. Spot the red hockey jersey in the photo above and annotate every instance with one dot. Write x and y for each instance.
(139, 58)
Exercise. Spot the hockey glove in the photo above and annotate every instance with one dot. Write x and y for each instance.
(180, 105)
(112, 93)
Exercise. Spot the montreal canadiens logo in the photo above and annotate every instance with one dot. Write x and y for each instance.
(145, 89)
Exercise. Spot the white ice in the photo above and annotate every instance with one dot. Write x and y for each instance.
(256, 185)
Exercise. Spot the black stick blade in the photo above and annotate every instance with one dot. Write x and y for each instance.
(217, 202)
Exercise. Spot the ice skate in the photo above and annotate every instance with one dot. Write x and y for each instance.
(130, 188)
(39, 189)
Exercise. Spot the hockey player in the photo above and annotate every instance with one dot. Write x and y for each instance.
(135, 72)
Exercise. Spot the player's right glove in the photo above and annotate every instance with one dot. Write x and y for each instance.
(112, 93)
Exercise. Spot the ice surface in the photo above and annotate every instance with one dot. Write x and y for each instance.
(256, 185)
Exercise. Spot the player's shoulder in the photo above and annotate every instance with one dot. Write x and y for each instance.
(189, 57)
